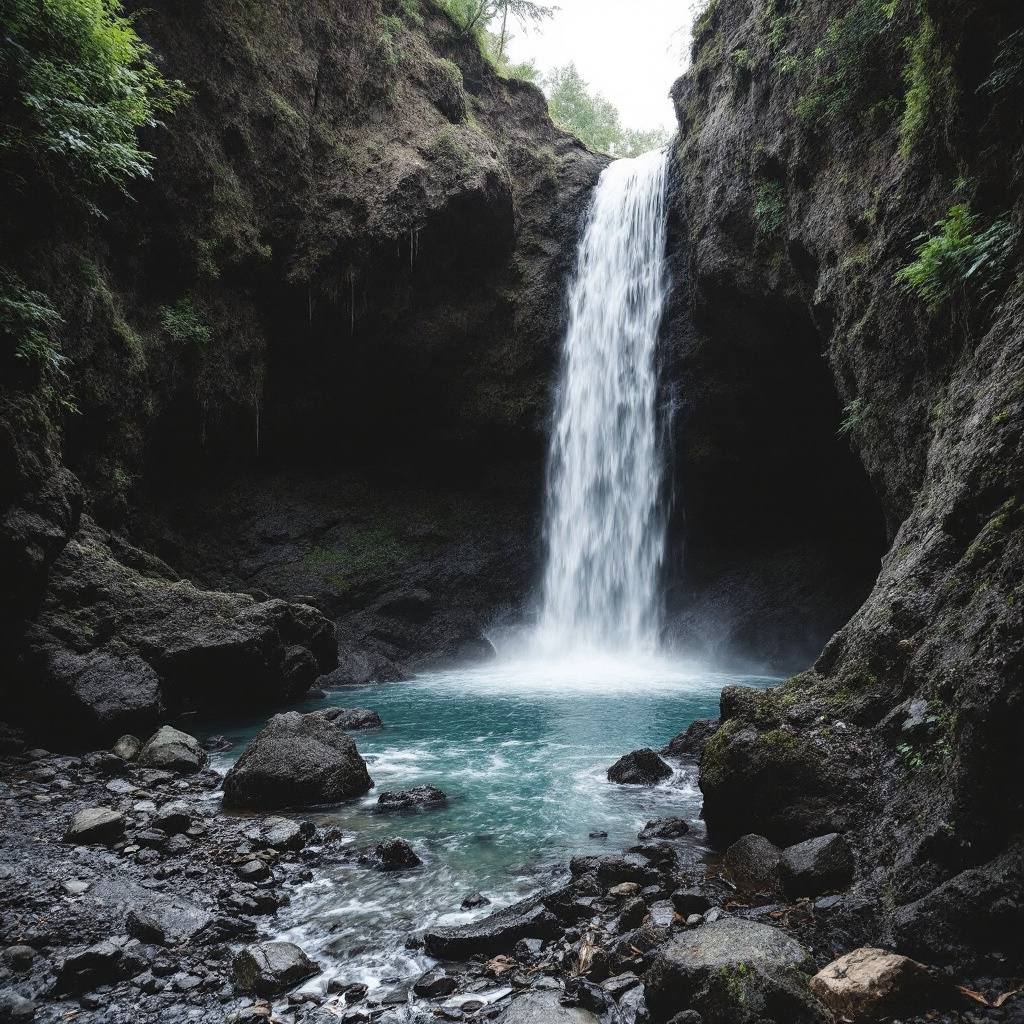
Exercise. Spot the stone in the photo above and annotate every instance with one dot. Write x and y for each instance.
(620, 984)
(297, 760)
(816, 866)
(435, 984)
(689, 746)
(75, 887)
(283, 834)
(166, 920)
(664, 828)
(100, 964)
(395, 855)
(253, 871)
(624, 890)
(15, 1008)
(733, 972)
(871, 984)
(18, 958)
(496, 933)
(475, 900)
(172, 750)
(630, 867)
(96, 825)
(408, 799)
(753, 863)
(128, 747)
(173, 818)
(354, 719)
(639, 768)
(689, 901)
(544, 1008)
(270, 968)
(632, 915)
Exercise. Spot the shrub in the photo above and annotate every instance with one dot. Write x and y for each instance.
(959, 255)
(1008, 70)
(930, 80)
(185, 322)
(770, 210)
(77, 87)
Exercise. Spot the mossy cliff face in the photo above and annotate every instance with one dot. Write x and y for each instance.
(348, 266)
(818, 142)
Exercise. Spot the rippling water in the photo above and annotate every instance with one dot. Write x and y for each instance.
(521, 749)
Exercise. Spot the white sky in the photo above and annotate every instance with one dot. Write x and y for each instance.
(631, 51)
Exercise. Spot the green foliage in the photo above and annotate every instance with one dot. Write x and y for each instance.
(930, 80)
(741, 64)
(1008, 70)
(770, 210)
(846, 72)
(186, 323)
(475, 17)
(594, 119)
(411, 9)
(935, 749)
(28, 324)
(959, 255)
(78, 85)
(855, 413)
(371, 551)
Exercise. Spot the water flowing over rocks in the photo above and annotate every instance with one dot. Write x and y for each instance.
(639, 768)
(297, 760)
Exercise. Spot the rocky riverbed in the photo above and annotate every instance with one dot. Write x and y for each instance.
(129, 895)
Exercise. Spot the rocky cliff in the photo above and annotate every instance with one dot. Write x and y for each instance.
(824, 149)
(344, 277)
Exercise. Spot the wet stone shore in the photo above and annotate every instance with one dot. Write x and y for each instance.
(127, 895)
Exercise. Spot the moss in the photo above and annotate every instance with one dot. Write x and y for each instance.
(993, 534)
(931, 85)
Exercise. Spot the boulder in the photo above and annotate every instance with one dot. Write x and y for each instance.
(100, 964)
(284, 834)
(816, 866)
(128, 747)
(172, 750)
(351, 719)
(753, 863)
(165, 920)
(544, 1008)
(872, 984)
(688, 902)
(435, 984)
(663, 828)
(101, 825)
(639, 768)
(18, 958)
(395, 855)
(630, 867)
(734, 972)
(406, 799)
(270, 968)
(496, 933)
(173, 818)
(297, 760)
(689, 745)
(15, 1008)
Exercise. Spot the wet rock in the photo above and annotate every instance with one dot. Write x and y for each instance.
(620, 984)
(689, 901)
(128, 747)
(496, 933)
(283, 834)
(101, 964)
(733, 972)
(872, 984)
(406, 799)
(632, 915)
(354, 719)
(753, 863)
(689, 745)
(395, 855)
(217, 744)
(629, 868)
(165, 920)
(100, 825)
(816, 866)
(435, 984)
(152, 838)
(639, 768)
(15, 1008)
(664, 828)
(297, 760)
(661, 914)
(624, 890)
(253, 871)
(172, 750)
(269, 968)
(544, 1008)
(18, 958)
(173, 818)
(475, 900)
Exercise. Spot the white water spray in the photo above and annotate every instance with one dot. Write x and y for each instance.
(604, 524)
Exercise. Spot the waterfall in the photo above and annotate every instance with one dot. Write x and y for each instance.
(604, 525)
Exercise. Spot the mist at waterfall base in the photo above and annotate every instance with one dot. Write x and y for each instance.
(522, 744)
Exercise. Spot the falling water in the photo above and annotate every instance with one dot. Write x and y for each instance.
(604, 525)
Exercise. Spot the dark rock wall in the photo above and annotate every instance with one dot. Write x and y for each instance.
(802, 195)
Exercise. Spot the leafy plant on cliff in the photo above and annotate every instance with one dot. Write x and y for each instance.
(958, 255)
(931, 83)
(770, 210)
(846, 71)
(1008, 70)
(77, 86)
(185, 322)
(28, 325)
